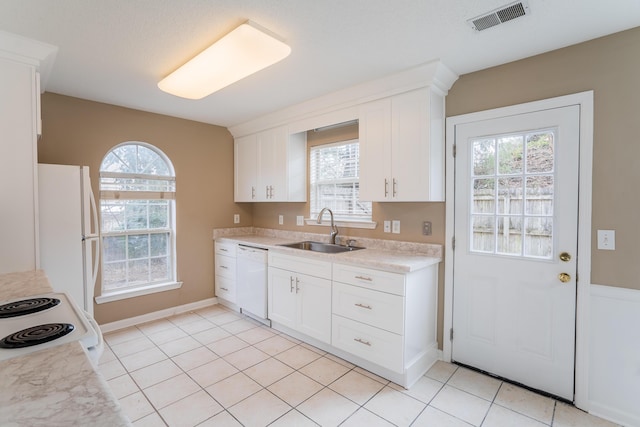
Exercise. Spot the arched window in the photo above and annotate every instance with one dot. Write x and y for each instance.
(137, 206)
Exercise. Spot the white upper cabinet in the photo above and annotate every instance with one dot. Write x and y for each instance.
(402, 148)
(271, 166)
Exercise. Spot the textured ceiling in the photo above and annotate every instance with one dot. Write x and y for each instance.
(116, 51)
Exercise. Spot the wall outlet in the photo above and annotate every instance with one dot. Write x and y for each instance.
(426, 228)
(280, 219)
(607, 240)
(299, 220)
(395, 226)
(387, 226)
(236, 218)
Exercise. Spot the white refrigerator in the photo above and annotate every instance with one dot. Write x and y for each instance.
(68, 233)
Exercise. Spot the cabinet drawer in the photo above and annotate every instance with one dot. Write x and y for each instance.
(226, 267)
(226, 248)
(226, 289)
(378, 280)
(302, 265)
(375, 345)
(374, 308)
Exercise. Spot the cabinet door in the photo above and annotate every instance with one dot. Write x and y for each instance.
(246, 169)
(282, 297)
(410, 151)
(314, 307)
(375, 150)
(18, 158)
(272, 165)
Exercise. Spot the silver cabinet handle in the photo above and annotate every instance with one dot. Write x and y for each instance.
(361, 341)
(290, 283)
(386, 187)
(368, 279)
(266, 191)
(297, 285)
(253, 192)
(224, 266)
(395, 187)
(271, 191)
(368, 307)
(224, 289)
(223, 250)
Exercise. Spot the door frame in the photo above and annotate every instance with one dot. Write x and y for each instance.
(585, 101)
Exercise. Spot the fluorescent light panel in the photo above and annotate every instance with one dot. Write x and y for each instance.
(247, 49)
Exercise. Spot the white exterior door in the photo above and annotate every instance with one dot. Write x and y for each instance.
(515, 260)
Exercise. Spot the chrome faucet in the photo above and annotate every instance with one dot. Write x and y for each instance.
(334, 228)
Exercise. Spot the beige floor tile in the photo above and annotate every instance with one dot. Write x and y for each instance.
(191, 410)
(362, 417)
(275, 345)
(259, 409)
(395, 407)
(194, 358)
(233, 389)
(155, 326)
(297, 356)
(123, 335)
(432, 417)
(130, 347)
(293, 418)
(441, 371)
(151, 420)
(168, 335)
(499, 417)
(212, 372)
(171, 390)
(424, 389)
(107, 355)
(255, 335)
(461, 404)
(184, 318)
(122, 386)
(136, 406)
(242, 359)
(212, 310)
(179, 346)
(227, 345)
(475, 383)
(197, 326)
(295, 388)
(142, 359)
(223, 419)
(339, 360)
(211, 335)
(327, 408)
(225, 318)
(356, 387)
(268, 372)
(570, 416)
(371, 375)
(112, 369)
(156, 373)
(238, 326)
(525, 402)
(324, 370)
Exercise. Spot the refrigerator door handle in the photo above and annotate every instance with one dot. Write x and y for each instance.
(96, 237)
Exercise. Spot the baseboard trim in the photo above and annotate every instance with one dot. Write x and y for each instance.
(157, 315)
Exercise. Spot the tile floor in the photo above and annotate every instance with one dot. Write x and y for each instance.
(214, 367)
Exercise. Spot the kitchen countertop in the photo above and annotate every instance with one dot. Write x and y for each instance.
(57, 386)
(393, 256)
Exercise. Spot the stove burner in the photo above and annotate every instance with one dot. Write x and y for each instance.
(36, 335)
(27, 306)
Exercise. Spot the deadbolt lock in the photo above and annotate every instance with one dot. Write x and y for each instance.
(564, 277)
(565, 256)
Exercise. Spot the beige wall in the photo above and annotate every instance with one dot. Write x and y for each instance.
(610, 66)
(81, 132)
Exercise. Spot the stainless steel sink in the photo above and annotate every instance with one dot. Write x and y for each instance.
(327, 248)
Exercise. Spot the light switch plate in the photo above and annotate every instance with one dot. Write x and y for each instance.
(299, 220)
(236, 218)
(387, 226)
(426, 228)
(280, 219)
(607, 240)
(395, 226)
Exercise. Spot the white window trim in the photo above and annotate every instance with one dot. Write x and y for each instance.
(136, 292)
(370, 225)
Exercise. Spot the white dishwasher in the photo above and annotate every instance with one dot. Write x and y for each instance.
(251, 281)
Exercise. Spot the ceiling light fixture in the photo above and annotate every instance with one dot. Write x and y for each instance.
(245, 50)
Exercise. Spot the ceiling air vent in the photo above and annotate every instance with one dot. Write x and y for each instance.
(499, 16)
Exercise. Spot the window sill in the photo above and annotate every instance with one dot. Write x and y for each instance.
(346, 224)
(136, 292)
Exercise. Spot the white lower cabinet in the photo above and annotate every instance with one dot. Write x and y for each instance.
(225, 271)
(300, 295)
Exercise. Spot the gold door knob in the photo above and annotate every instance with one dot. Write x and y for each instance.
(564, 256)
(564, 277)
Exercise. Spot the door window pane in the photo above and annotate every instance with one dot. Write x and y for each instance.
(509, 239)
(484, 157)
(484, 233)
(484, 196)
(510, 154)
(540, 152)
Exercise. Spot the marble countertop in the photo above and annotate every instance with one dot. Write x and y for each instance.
(57, 386)
(393, 256)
